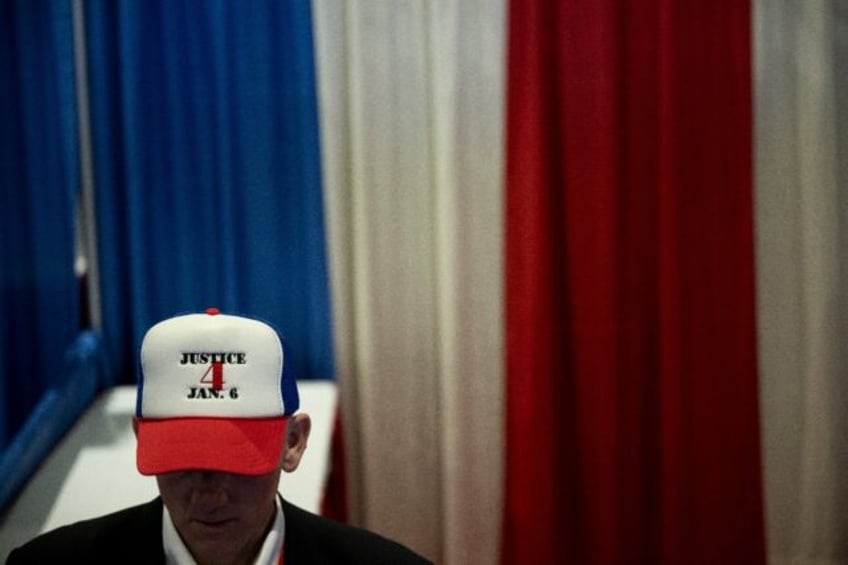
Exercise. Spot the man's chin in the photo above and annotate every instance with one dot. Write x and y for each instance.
(213, 542)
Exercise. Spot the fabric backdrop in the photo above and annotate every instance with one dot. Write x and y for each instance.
(802, 247)
(206, 170)
(423, 246)
(631, 373)
(49, 369)
(411, 106)
(39, 311)
(800, 58)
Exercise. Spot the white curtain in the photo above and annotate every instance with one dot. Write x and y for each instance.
(411, 96)
(801, 102)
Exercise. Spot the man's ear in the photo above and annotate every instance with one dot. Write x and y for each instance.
(297, 435)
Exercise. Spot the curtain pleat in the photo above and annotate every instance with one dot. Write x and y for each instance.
(39, 307)
(206, 151)
(628, 399)
(49, 371)
(632, 409)
(467, 84)
(411, 128)
(802, 170)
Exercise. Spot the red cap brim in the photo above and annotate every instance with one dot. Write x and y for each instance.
(231, 445)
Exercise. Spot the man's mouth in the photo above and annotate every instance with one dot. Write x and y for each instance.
(214, 524)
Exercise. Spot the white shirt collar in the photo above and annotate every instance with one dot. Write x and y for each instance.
(176, 553)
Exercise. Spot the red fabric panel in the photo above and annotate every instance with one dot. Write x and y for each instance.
(334, 503)
(632, 409)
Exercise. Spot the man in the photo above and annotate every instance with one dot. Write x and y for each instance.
(216, 423)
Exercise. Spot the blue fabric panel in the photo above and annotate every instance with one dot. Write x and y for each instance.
(39, 312)
(56, 412)
(289, 384)
(207, 169)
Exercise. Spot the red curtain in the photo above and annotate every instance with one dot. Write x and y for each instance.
(632, 408)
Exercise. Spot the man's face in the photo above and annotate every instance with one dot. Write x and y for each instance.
(222, 518)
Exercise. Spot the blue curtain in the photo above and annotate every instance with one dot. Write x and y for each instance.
(49, 369)
(207, 170)
(39, 311)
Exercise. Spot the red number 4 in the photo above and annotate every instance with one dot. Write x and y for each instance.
(217, 379)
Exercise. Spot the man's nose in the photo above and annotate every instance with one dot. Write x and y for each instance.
(209, 489)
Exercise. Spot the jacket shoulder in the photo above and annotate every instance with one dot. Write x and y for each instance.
(313, 539)
(132, 535)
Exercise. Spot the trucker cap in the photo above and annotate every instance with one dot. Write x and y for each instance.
(214, 393)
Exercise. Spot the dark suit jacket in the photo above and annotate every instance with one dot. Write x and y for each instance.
(134, 536)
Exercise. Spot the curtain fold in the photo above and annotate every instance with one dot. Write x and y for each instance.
(206, 151)
(467, 85)
(39, 307)
(411, 105)
(47, 373)
(802, 169)
(632, 408)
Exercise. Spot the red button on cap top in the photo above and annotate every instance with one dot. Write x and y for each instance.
(213, 311)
